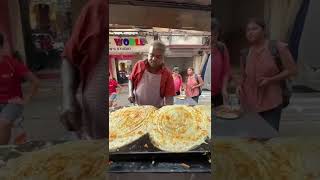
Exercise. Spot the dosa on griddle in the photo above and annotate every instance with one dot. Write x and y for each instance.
(81, 160)
(178, 128)
(128, 124)
(206, 111)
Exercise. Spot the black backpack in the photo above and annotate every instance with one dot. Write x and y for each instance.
(286, 85)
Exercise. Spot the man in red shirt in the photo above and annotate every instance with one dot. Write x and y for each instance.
(150, 82)
(83, 72)
(12, 101)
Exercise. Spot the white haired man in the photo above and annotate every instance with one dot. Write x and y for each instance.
(151, 82)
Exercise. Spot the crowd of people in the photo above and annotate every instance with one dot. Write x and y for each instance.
(153, 83)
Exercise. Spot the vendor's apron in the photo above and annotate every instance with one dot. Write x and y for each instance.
(148, 90)
(93, 101)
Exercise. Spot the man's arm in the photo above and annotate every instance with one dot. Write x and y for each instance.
(130, 86)
(71, 112)
(70, 84)
(131, 95)
(169, 91)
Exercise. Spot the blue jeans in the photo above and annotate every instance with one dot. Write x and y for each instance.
(11, 112)
(273, 117)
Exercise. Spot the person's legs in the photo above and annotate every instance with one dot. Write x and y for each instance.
(273, 117)
(8, 114)
(178, 93)
(217, 100)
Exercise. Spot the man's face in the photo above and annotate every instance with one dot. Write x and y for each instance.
(155, 57)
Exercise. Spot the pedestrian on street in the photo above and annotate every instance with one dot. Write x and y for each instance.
(193, 85)
(265, 65)
(12, 100)
(113, 91)
(151, 82)
(177, 78)
(84, 74)
(220, 68)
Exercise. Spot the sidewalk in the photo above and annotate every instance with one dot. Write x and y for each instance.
(42, 113)
(302, 117)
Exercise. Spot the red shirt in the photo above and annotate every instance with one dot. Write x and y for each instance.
(12, 73)
(113, 84)
(220, 69)
(166, 85)
(88, 40)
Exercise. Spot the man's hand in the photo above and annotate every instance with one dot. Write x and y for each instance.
(131, 99)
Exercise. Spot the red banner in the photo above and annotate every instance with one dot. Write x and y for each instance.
(122, 56)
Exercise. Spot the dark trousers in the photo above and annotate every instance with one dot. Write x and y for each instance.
(273, 117)
(178, 93)
(217, 100)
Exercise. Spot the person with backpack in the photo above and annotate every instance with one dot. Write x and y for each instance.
(266, 66)
(220, 68)
(193, 85)
(12, 99)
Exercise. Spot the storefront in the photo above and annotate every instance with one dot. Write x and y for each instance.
(47, 26)
(124, 52)
(187, 49)
(184, 49)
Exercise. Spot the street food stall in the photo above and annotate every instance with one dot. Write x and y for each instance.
(54, 160)
(165, 141)
(247, 147)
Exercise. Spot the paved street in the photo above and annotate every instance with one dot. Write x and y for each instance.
(41, 115)
(302, 117)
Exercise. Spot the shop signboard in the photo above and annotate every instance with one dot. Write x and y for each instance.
(137, 44)
(184, 40)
